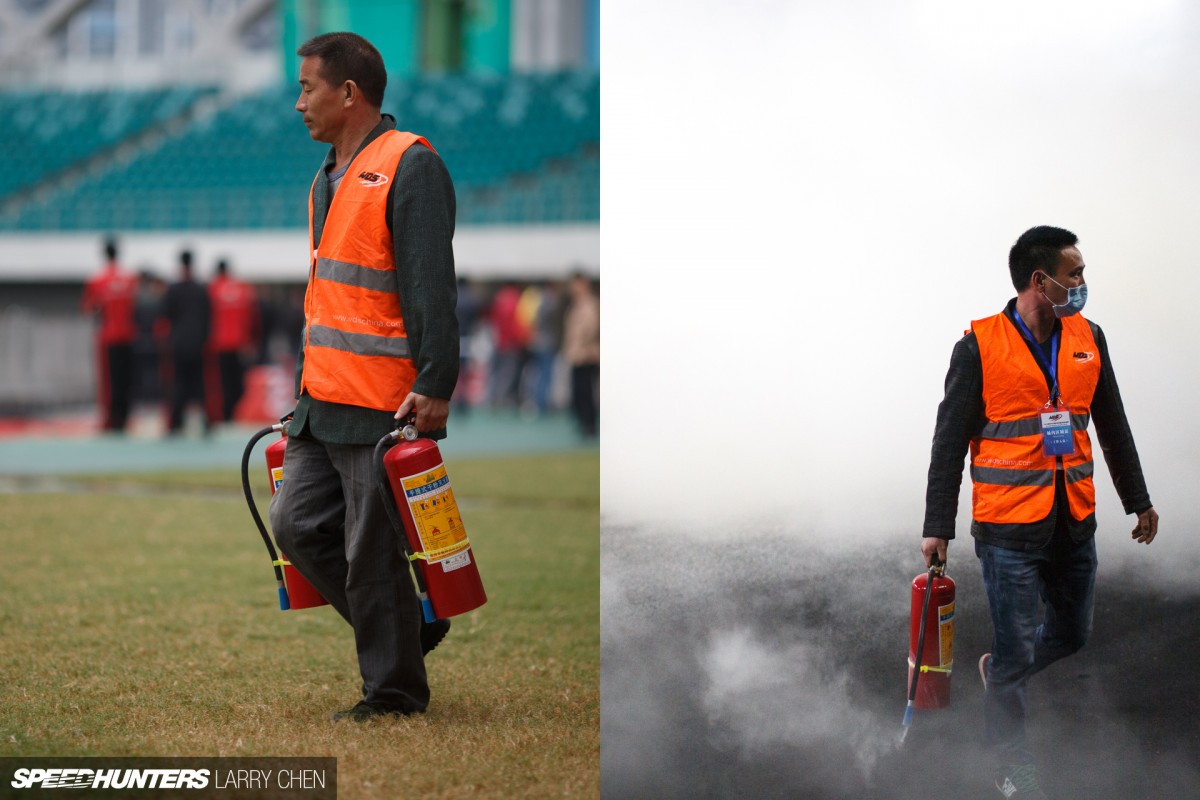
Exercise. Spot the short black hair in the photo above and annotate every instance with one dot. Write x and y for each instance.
(222, 267)
(349, 57)
(1037, 249)
(110, 248)
(185, 258)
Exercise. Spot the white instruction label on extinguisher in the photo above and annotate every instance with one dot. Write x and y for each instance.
(457, 561)
(946, 634)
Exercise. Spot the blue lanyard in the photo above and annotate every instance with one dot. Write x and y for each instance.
(1052, 367)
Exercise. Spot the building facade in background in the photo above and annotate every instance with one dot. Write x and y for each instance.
(248, 44)
(170, 124)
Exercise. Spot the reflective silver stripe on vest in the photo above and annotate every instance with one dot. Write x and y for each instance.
(1027, 477)
(360, 344)
(1012, 477)
(1080, 472)
(377, 280)
(1028, 426)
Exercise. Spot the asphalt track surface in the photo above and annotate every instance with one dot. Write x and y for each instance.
(768, 669)
(70, 444)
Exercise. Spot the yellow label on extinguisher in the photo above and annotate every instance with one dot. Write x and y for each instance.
(439, 525)
(946, 634)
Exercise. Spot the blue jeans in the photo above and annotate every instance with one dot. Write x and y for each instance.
(1063, 576)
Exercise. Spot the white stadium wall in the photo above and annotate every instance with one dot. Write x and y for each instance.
(526, 252)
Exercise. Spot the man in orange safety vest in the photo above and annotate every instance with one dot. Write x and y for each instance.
(1022, 387)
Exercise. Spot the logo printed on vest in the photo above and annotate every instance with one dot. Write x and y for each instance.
(372, 179)
(1004, 462)
(1083, 356)
(377, 323)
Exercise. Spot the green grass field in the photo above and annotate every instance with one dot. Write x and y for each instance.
(139, 617)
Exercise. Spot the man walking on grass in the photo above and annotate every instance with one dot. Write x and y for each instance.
(380, 343)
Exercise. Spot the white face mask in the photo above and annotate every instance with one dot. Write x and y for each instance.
(1076, 298)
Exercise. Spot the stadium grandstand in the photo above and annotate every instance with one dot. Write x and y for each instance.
(170, 124)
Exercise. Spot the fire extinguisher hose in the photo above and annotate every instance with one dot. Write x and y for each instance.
(389, 503)
(935, 566)
(284, 603)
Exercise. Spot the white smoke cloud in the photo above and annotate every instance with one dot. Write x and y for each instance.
(804, 208)
(763, 697)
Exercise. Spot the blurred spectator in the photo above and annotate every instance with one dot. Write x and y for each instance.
(467, 309)
(147, 361)
(187, 310)
(291, 322)
(110, 297)
(267, 323)
(581, 349)
(235, 323)
(545, 342)
(527, 306)
(511, 339)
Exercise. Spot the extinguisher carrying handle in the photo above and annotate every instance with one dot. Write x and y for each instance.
(406, 428)
(284, 602)
(389, 504)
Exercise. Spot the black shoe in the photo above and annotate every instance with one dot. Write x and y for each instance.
(364, 711)
(432, 634)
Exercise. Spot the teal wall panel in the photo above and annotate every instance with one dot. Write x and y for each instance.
(487, 35)
(393, 26)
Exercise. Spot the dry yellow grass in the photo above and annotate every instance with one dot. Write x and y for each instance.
(143, 622)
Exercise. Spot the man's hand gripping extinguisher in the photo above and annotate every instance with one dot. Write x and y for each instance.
(416, 492)
(295, 592)
(930, 658)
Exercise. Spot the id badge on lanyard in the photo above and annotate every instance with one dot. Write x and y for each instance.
(1058, 439)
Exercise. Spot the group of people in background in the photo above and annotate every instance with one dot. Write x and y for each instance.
(181, 342)
(529, 347)
(519, 336)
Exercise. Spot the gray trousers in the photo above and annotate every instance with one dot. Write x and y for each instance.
(330, 521)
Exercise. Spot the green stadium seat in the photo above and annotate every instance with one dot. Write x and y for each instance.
(521, 148)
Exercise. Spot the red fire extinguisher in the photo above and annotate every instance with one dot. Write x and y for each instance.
(931, 640)
(416, 492)
(295, 592)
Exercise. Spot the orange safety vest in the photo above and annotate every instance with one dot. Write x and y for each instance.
(1013, 481)
(355, 346)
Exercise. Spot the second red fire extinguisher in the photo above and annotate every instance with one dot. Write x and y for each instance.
(930, 641)
(936, 616)
(416, 492)
(295, 592)
(301, 593)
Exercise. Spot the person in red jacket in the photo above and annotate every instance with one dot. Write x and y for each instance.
(110, 297)
(234, 331)
(512, 348)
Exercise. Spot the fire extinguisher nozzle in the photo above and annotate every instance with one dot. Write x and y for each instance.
(427, 610)
(284, 603)
(908, 716)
